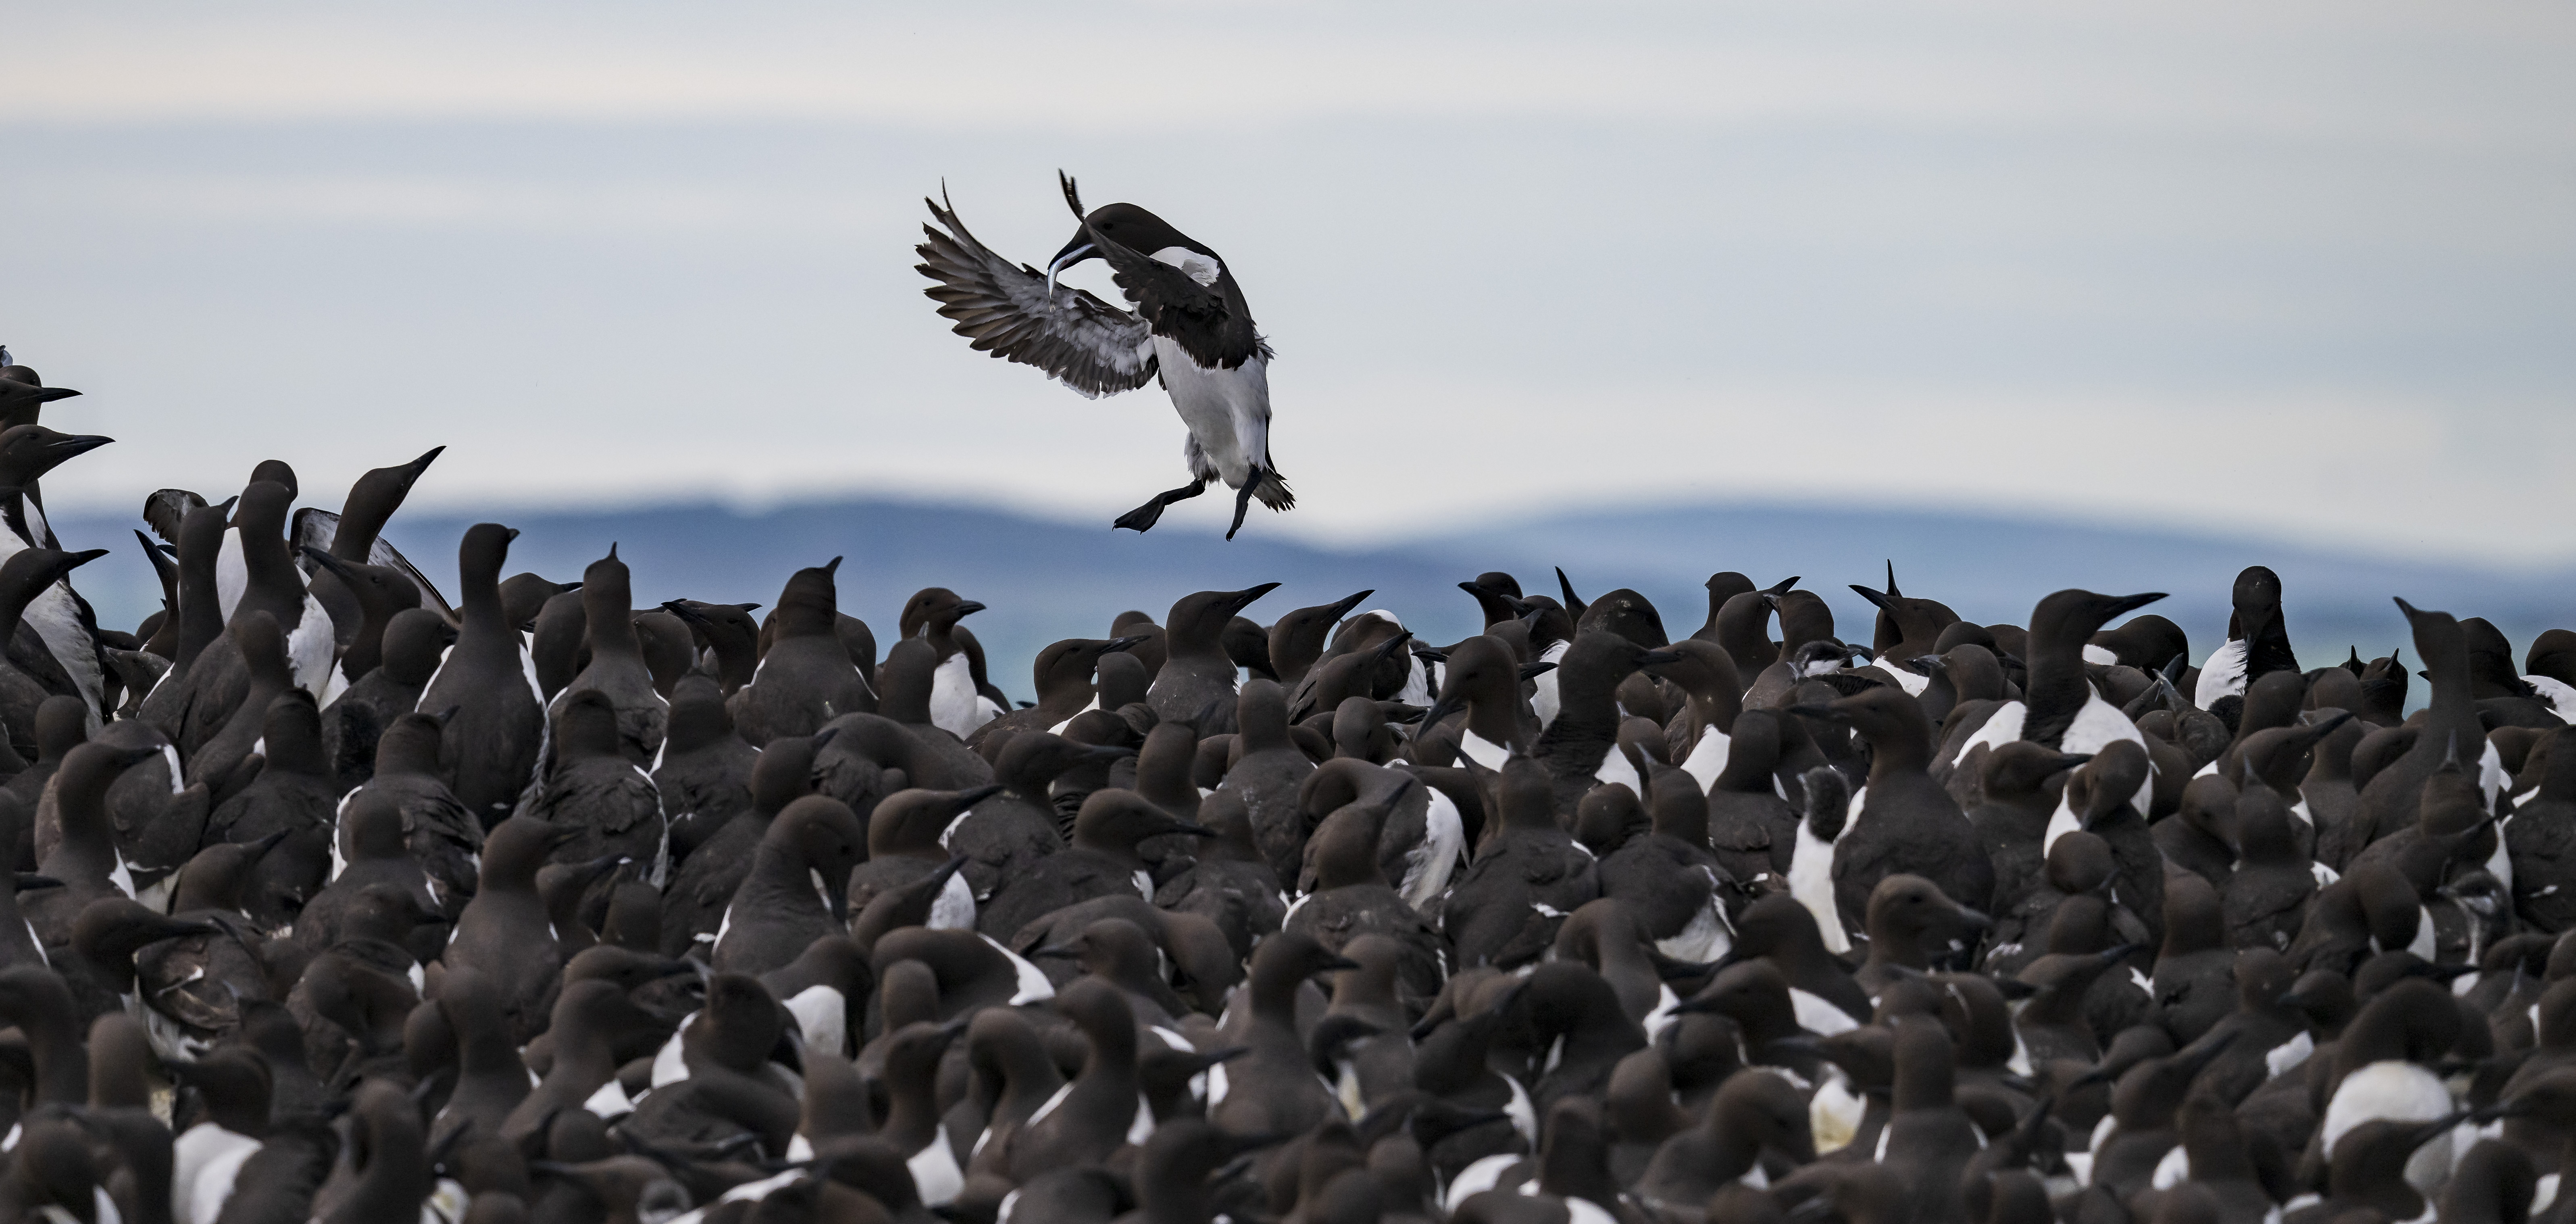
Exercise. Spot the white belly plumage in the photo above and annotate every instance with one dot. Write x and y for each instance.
(1707, 758)
(1228, 412)
(1811, 877)
(1543, 702)
(1912, 682)
(2222, 676)
(955, 706)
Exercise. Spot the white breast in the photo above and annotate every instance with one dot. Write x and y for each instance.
(1615, 767)
(1707, 938)
(935, 1172)
(2173, 1170)
(232, 574)
(955, 706)
(55, 616)
(2097, 726)
(2000, 728)
(1479, 1177)
(2289, 1054)
(1585, 1211)
(2222, 676)
(2491, 776)
(1707, 758)
(1227, 411)
(2389, 1090)
(954, 908)
(610, 1101)
(1034, 986)
(1483, 751)
(1834, 1114)
(2060, 823)
(1429, 865)
(668, 1068)
(1912, 682)
(311, 649)
(204, 1161)
(1544, 702)
(1819, 1016)
(755, 1191)
(1058, 729)
(2560, 695)
(822, 1016)
(1524, 1114)
(1811, 880)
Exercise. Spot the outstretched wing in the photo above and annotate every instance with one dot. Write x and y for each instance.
(1079, 340)
(1202, 321)
(312, 527)
(316, 528)
(165, 508)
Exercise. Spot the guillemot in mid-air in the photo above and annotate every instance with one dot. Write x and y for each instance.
(1191, 329)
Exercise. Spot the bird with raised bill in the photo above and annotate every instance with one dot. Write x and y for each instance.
(1191, 330)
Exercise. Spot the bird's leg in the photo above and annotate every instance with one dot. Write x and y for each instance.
(1142, 518)
(1243, 499)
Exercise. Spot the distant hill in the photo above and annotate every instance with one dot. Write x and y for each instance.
(1046, 579)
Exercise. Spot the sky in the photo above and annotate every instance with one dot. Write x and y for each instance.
(2302, 271)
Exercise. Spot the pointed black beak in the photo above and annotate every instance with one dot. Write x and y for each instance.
(2121, 605)
(323, 558)
(72, 445)
(1074, 252)
(413, 469)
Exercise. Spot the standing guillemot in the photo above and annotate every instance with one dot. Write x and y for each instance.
(1192, 330)
(2257, 643)
(59, 616)
(2060, 708)
(354, 535)
(1907, 629)
(955, 704)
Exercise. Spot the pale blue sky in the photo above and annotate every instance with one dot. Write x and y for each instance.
(2306, 270)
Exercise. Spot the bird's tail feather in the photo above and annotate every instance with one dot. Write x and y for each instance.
(1273, 491)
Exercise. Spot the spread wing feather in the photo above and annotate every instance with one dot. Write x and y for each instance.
(165, 508)
(1079, 340)
(317, 528)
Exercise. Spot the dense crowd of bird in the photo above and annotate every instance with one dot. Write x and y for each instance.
(334, 901)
